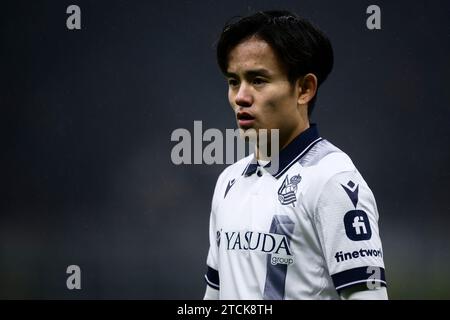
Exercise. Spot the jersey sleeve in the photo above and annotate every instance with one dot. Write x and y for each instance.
(346, 218)
(212, 272)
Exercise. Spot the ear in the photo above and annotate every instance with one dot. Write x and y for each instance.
(307, 88)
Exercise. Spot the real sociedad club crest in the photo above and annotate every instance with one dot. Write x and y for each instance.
(287, 193)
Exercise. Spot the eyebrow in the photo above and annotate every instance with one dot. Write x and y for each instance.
(251, 73)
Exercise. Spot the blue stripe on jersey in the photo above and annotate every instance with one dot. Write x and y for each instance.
(274, 289)
(212, 278)
(359, 275)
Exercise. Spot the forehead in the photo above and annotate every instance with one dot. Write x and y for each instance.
(253, 53)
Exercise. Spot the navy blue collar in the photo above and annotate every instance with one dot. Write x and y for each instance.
(291, 153)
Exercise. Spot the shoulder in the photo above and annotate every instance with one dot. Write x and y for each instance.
(324, 161)
(326, 166)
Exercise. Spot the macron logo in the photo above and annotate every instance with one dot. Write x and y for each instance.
(230, 184)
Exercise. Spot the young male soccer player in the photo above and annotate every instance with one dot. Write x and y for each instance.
(308, 230)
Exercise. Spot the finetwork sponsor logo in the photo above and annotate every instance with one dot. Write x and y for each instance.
(269, 243)
(357, 226)
(340, 256)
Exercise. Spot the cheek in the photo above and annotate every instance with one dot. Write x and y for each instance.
(231, 98)
(287, 102)
(277, 104)
(279, 108)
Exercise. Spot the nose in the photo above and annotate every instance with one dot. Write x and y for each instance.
(244, 98)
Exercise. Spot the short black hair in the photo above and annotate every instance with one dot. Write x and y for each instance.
(300, 46)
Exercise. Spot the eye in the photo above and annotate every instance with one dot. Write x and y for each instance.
(232, 82)
(258, 81)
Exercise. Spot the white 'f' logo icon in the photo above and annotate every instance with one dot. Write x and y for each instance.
(358, 224)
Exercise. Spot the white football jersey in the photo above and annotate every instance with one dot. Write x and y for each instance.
(306, 231)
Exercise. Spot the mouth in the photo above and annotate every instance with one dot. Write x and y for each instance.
(245, 119)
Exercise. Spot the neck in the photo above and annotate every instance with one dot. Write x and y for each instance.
(262, 152)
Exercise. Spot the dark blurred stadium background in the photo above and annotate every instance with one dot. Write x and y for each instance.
(86, 118)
